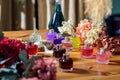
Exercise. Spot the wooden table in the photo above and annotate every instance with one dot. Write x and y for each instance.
(84, 69)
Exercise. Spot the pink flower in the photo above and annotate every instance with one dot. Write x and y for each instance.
(83, 27)
(45, 69)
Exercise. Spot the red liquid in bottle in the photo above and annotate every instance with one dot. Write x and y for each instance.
(32, 49)
(66, 63)
(87, 52)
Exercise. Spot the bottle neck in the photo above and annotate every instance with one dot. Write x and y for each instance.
(102, 50)
(65, 56)
(86, 45)
(58, 8)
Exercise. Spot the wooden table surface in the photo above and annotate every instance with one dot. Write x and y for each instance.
(84, 69)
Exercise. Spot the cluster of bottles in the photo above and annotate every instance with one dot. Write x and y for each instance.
(65, 62)
(62, 45)
(66, 44)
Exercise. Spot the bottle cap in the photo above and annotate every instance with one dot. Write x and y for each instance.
(58, 1)
(87, 45)
(102, 50)
(51, 31)
(73, 35)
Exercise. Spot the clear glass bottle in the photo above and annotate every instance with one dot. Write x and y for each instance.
(57, 17)
(66, 63)
(103, 56)
(87, 51)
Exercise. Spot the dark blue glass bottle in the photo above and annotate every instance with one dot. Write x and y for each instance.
(57, 17)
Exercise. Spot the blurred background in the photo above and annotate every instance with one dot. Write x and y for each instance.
(30, 14)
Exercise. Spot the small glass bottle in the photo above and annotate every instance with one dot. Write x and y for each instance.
(66, 63)
(67, 44)
(57, 17)
(76, 42)
(32, 48)
(58, 40)
(87, 51)
(103, 56)
(58, 51)
(51, 35)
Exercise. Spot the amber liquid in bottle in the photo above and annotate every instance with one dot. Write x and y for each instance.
(66, 63)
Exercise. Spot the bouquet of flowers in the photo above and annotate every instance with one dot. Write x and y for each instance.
(10, 49)
(14, 62)
(68, 27)
(9, 57)
(83, 27)
(40, 68)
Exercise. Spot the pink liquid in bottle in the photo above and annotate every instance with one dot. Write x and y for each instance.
(103, 56)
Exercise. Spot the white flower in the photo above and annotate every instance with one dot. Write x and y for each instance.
(68, 26)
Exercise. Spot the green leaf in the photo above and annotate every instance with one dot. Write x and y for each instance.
(23, 56)
(28, 70)
(1, 35)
